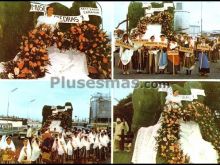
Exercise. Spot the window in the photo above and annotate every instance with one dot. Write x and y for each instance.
(179, 6)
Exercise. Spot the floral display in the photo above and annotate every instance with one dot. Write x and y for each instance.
(168, 146)
(164, 18)
(32, 59)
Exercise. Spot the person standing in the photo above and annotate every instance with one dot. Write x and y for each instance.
(138, 60)
(152, 57)
(125, 55)
(215, 52)
(25, 154)
(189, 58)
(120, 129)
(162, 62)
(173, 61)
(203, 60)
(29, 133)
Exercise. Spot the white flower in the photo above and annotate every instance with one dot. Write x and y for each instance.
(42, 69)
(11, 76)
(16, 71)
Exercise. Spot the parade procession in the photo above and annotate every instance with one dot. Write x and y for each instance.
(154, 47)
(76, 132)
(167, 55)
(76, 146)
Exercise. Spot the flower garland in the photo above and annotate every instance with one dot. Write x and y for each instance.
(168, 135)
(168, 146)
(164, 18)
(33, 56)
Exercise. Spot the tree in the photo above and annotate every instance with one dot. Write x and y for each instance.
(124, 109)
(74, 10)
(15, 21)
(135, 12)
(148, 103)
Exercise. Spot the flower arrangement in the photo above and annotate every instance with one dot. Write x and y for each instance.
(164, 18)
(168, 146)
(32, 59)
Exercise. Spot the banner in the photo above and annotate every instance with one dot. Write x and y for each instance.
(194, 93)
(186, 50)
(139, 41)
(172, 53)
(151, 44)
(70, 19)
(186, 97)
(204, 48)
(161, 44)
(121, 43)
(37, 7)
(84, 13)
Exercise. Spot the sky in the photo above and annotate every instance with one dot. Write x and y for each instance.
(120, 93)
(20, 105)
(210, 14)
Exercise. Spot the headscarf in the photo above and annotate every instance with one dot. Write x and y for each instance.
(6, 145)
(24, 154)
(35, 151)
(2, 142)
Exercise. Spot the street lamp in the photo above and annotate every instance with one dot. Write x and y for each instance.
(13, 90)
(31, 101)
(201, 18)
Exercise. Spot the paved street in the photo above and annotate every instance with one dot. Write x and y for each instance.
(214, 73)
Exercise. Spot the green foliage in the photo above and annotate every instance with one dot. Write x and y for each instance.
(15, 21)
(124, 109)
(74, 10)
(148, 102)
(135, 12)
(156, 5)
(145, 104)
(212, 90)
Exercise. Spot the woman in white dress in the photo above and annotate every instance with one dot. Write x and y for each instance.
(8, 145)
(192, 143)
(69, 147)
(36, 151)
(125, 55)
(25, 154)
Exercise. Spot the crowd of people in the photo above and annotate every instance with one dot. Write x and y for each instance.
(70, 146)
(153, 59)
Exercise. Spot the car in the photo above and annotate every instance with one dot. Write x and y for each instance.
(22, 134)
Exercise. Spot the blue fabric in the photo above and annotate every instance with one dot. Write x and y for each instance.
(203, 60)
(163, 59)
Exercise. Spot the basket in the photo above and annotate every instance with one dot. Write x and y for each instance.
(46, 156)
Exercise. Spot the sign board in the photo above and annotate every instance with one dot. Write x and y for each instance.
(122, 44)
(186, 50)
(172, 53)
(70, 19)
(37, 7)
(161, 44)
(204, 48)
(151, 44)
